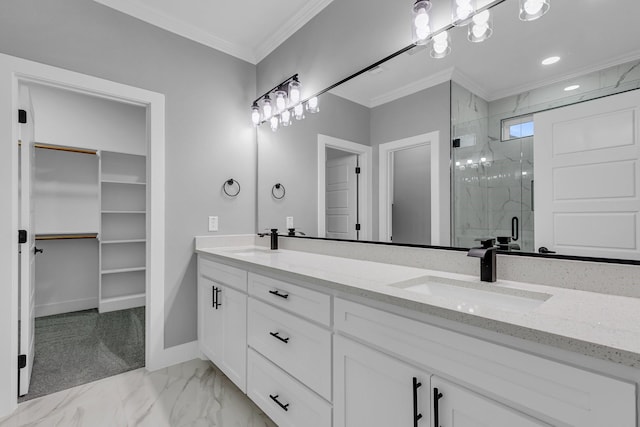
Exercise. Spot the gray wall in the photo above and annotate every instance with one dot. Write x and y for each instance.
(290, 157)
(208, 133)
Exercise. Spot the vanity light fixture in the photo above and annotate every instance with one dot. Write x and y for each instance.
(481, 26)
(533, 9)
(572, 87)
(421, 29)
(462, 11)
(281, 103)
(440, 46)
(550, 60)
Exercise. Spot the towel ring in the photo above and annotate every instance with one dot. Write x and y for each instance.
(229, 183)
(276, 187)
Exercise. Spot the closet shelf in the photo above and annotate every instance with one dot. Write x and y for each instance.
(123, 270)
(66, 236)
(113, 242)
(114, 181)
(124, 212)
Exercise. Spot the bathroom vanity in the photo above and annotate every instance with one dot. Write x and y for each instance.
(317, 340)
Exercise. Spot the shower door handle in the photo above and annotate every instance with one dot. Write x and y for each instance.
(515, 226)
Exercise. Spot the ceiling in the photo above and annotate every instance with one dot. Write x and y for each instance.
(248, 29)
(588, 35)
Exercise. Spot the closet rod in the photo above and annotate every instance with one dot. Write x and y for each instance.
(71, 150)
(65, 236)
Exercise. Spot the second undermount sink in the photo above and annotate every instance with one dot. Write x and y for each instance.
(472, 297)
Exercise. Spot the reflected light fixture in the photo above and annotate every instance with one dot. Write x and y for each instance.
(481, 26)
(440, 45)
(572, 87)
(462, 11)
(421, 28)
(533, 9)
(550, 60)
(281, 103)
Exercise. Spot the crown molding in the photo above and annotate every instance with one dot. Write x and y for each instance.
(516, 90)
(471, 85)
(286, 30)
(177, 26)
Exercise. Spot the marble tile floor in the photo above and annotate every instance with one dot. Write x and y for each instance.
(193, 393)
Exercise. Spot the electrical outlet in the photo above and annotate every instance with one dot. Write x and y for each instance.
(289, 222)
(213, 223)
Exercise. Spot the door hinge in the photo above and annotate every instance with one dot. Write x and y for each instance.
(22, 236)
(357, 170)
(357, 227)
(22, 116)
(22, 361)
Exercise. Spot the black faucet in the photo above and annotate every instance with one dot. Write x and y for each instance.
(274, 238)
(487, 255)
(293, 232)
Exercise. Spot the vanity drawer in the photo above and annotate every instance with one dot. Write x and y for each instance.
(267, 385)
(296, 345)
(571, 395)
(222, 274)
(297, 299)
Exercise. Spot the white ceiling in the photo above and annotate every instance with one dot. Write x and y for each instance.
(248, 29)
(588, 35)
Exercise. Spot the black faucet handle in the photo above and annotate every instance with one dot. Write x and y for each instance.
(488, 243)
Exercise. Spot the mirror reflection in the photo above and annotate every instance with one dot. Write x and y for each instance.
(485, 142)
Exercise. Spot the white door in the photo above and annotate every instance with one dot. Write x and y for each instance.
(375, 390)
(27, 255)
(455, 406)
(341, 197)
(586, 193)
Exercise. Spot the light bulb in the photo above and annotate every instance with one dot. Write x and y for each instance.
(312, 105)
(533, 6)
(422, 19)
(298, 112)
(481, 27)
(469, 162)
(423, 32)
(274, 123)
(421, 28)
(461, 11)
(533, 9)
(440, 47)
(483, 159)
(281, 101)
(285, 118)
(482, 17)
(479, 30)
(267, 110)
(457, 163)
(255, 114)
(295, 90)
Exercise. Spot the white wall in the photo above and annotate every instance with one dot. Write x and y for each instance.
(209, 137)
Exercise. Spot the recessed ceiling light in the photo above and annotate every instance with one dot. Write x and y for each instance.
(550, 60)
(572, 87)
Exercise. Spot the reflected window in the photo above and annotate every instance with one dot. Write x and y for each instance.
(517, 127)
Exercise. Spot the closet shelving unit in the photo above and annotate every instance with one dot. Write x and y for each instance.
(123, 234)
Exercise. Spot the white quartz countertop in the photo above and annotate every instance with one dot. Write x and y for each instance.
(597, 325)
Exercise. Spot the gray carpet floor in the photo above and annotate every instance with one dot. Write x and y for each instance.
(84, 346)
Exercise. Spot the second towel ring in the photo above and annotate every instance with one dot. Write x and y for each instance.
(229, 183)
(277, 187)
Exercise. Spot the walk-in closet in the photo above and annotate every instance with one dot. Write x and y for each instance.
(84, 203)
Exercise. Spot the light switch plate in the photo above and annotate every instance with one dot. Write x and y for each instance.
(289, 222)
(213, 223)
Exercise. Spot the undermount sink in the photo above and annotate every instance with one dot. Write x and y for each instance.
(472, 297)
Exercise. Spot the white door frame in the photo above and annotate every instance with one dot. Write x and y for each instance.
(14, 71)
(385, 183)
(366, 187)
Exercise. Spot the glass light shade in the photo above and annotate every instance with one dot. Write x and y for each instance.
(481, 27)
(420, 21)
(255, 114)
(295, 91)
(267, 109)
(281, 101)
(462, 11)
(274, 123)
(533, 9)
(440, 46)
(285, 118)
(298, 112)
(312, 105)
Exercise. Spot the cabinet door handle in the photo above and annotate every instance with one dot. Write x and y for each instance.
(275, 399)
(416, 415)
(277, 335)
(214, 297)
(278, 294)
(436, 398)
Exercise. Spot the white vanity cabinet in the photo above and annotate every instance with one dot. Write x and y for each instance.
(222, 318)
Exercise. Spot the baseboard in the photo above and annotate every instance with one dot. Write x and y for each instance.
(174, 355)
(65, 307)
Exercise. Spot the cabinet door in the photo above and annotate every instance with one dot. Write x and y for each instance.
(223, 328)
(376, 390)
(458, 407)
